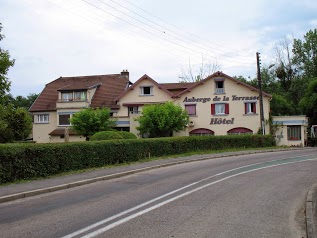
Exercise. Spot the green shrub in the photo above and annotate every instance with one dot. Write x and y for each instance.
(26, 161)
(106, 135)
(127, 135)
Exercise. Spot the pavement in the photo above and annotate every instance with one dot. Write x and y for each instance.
(32, 188)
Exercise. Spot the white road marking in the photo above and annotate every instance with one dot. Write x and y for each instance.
(110, 226)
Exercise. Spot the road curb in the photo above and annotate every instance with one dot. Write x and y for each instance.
(311, 212)
(36, 192)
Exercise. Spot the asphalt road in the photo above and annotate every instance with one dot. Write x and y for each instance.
(260, 195)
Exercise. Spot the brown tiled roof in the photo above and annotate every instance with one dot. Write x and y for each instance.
(176, 88)
(79, 86)
(110, 87)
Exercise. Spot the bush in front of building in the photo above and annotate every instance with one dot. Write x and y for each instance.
(127, 135)
(106, 135)
(28, 161)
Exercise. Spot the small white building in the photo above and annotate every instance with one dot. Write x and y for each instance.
(291, 130)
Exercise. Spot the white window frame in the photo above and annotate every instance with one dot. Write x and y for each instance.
(70, 116)
(43, 118)
(67, 99)
(142, 90)
(135, 110)
(220, 90)
(220, 110)
(249, 107)
(83, 96)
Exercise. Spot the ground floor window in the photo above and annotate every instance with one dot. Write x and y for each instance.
(201, 132)
(294, 132)
(64, 119)
(240, 131)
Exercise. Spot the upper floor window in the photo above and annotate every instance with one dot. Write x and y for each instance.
(67, 97)
(220, 86)
(146, 90)
(74, 96)
(220, 109)
(191, 109)
(250, 108)
(80, 96)
(42, 118)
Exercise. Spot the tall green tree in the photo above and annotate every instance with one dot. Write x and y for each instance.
(160, 120)
(5, 64)
(309, 101)
(89, 121)
(15, 124)
(305, 54)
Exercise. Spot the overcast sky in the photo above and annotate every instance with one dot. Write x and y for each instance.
(53, 38)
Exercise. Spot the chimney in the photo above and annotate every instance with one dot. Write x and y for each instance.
(125, 73)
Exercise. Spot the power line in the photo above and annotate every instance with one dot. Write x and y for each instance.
(145, 30)
(166, 30)
(176, 27)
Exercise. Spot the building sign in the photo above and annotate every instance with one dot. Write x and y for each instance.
(219, 99)
(219, 121)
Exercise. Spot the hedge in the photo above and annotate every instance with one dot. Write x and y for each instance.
(106, 135)
(28, 161)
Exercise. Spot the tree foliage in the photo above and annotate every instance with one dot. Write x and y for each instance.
(309, 101)
(5, 64)
(15, 124)
(89, 121)
(160, 120)
(305, 54)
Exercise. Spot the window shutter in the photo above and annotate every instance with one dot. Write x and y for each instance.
(226, 108)
(254, 107)
(212, 109)
(245, 108)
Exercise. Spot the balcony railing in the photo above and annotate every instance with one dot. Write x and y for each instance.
(220, 90)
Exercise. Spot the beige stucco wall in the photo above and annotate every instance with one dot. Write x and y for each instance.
(134, 96)
(203, 109)
(281, 132)
(41, 130)
(57, 139)
(236, 107)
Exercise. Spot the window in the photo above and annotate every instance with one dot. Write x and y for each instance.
(43, 118)
(80, 96)
(146, 90)
(293, 133)
(64, 119)
(220, 109)
(67, 97)
(240, 131)
(133, 110)
(191, 109)
(220, 87)
(250, 108)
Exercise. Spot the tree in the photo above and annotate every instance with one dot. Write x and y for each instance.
(25, 102)
(5, 64)
(309, 101)
(160, 120)
(195, 73)
(305, 54)
(89, 121)
(280, 106)
(15, 124)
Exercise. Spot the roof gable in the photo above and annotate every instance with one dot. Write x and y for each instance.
(144, 77)
(220, 74)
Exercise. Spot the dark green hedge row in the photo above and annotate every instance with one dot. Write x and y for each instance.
(25, 161)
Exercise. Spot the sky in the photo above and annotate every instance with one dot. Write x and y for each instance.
(53, 38)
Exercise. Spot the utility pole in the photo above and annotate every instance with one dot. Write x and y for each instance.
(260, 93)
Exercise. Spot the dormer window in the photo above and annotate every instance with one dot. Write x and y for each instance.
(66, 97)
(76, 96)
(146, 91)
